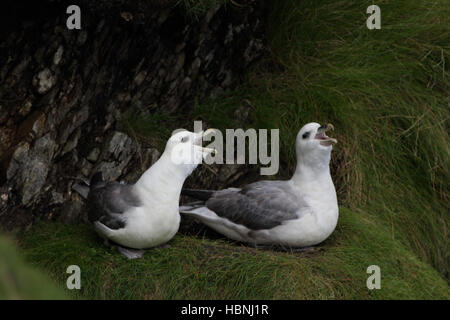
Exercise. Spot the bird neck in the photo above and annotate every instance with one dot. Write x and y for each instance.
(317, 187)
(312, 170)
(164, 179)
(312, 176)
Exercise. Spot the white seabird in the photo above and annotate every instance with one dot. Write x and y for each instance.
(146, 214)
(299, 212)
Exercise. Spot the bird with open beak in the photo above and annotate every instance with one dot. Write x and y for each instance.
(295, 213)
(146, 214)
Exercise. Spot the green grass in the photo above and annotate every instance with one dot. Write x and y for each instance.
(386, 92)
(195, 268)
(139, 125)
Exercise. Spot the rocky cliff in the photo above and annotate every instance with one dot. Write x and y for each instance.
(63, 93)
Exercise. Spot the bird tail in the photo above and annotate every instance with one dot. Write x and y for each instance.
(198, 194)
(103, 230)
(83, 189)
(186, 208)
(97, 178)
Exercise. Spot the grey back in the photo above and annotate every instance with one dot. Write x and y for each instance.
(259, 205)
(109, 200)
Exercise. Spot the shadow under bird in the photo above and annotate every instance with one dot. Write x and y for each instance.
(145, 214)
(295, 213)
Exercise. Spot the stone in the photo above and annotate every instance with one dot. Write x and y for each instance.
(44, 147)
(39, 126)
(82, 37)
(34, 174)
(56, 198)
(86, 168)
(28, 168)
(44, 81)
(73, 210)
(25, 109)
(93, 155)
(4, 197)
(140, 77)
(117, 152)
(194, 68)
(58, 55)
(72, 142)
(19, 154)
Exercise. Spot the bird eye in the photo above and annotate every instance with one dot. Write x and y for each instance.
(184, 139)
(305, 135)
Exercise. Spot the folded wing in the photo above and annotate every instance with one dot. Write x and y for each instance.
(259, 205)
(108, 201)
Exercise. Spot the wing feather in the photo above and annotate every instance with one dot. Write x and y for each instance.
(108, 201)
(259, 205)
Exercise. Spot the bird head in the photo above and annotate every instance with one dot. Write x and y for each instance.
(313, 146)
(185, 149)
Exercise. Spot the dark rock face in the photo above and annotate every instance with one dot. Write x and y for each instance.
(62, 92)
(28, 169)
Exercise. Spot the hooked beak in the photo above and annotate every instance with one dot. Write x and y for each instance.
(324, 139)
(199, 140)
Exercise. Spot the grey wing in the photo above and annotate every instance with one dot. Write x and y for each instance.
(108, 202)
(260, 205)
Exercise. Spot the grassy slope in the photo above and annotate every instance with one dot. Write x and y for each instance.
(386, 93)
(201, 269)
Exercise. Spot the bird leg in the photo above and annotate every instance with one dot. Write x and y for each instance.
(303, 250)
(106, 243)
(163, 246)
(310, 249)
(135, 253)
(260, 246)
(130, 253)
